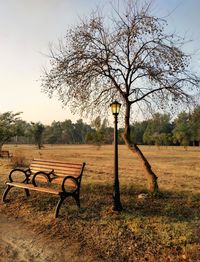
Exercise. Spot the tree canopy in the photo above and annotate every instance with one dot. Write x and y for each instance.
(10, 125)
(37, 129)
(128, 56)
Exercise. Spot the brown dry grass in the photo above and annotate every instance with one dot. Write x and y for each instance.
(165, 229)
(178, 169)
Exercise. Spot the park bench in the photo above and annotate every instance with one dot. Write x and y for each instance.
(48, 176)
(5, 153)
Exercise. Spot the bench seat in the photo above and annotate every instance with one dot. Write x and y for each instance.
(32, 187)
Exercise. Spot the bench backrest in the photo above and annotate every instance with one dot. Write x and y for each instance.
(60, 168)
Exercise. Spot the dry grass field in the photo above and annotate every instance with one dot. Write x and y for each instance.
(161, 229)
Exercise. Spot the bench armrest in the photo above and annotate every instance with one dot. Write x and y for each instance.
(26, 172)
(74, 180)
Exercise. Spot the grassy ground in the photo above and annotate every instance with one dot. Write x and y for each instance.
(164, 229)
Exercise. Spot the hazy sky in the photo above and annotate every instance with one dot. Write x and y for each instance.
(28, 26)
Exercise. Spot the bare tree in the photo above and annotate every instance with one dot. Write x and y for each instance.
(128, 57)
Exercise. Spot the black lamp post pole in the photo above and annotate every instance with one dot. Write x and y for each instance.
(117, 206)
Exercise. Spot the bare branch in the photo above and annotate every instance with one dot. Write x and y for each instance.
(129, 56)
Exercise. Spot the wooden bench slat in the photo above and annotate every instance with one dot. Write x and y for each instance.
(41, 167)
(30, 186)
(77, 170)
(55, 162)
(50, 165)
(63, 174)
(56, 171)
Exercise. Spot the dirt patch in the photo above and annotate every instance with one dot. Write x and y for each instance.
(19, 242)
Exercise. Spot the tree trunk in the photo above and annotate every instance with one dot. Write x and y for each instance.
(151, 177)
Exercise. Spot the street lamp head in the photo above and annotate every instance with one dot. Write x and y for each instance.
(115, 107)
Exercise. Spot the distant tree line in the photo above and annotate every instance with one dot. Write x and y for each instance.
(58, 132)
(158, 130)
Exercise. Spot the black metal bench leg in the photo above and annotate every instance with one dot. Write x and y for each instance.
(27, 192)
(77, 199)
(60, 201)
(6, 192)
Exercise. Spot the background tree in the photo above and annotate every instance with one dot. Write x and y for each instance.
(10, 126)
(102, 133)
(53, 134)
(97, 137)
(195, 126)
(25, 136)
(80, 131)
(158, 131)
(68, 135)
(182, 129)
(137, 132)
(128, 57)
(66, 132)
(37, 131)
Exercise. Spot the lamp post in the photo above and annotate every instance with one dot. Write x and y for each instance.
(117, 206)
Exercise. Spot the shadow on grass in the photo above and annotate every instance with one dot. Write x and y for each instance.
(96, 201)
(154, 226)
(146, 230)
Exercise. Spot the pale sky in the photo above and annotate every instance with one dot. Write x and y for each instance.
(28, 26)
